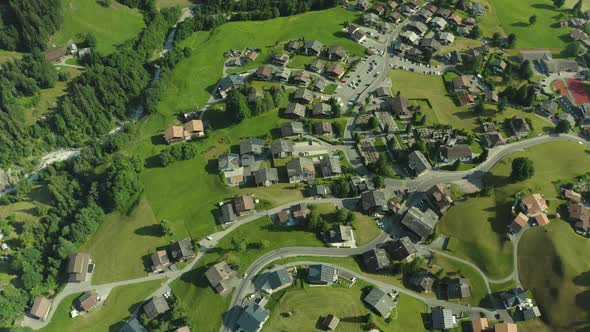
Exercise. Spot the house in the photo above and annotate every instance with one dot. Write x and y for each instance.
(458, 288)
(373, 202)
(430, 44)
(395, 17)
(336, 53)
(293, 46)
(355, 33)
(450, 154)
(300, 212)
(182, 250)
(228, 162)
(283, 218)
(382, 92)
(424, 15)
(156, 305)
(513, 298)
(580, 216)
(275, 281)
(340, 236)
(362, 5)
(194, 128)
(499, 66)
(280, 59)
(491, 96)
(303, 96)
(533, 204)
(418, 163)
(56, 54)
(252, 318)
(505, 327)
(322, 110)
(227, 213)
(401, 249)
(444, 13)
(265, 177)
(264, 73)
(440, 197)
(466, 99)
(443, 319)
(174, 134)
(417, 27)
(322, 274)
(319, 190)
(455, 57)
(455, 20)
(469, 21)
(41, 307)
(294, 111)
(519, 126)
(312, 47)
(319, 84)
(579, 35)
(253, 146)
(282, 75)
(302, 77)
(420, 223)
(422, 280)
(480, 325)
(79, 267)
(316, 65)
(463, 31)
(572, 196)
(392, 5)
(335, 70)
(160, 261)
(461, 83)
(438, 23)
(564, 116)
(132, 325)
(375, 260)
(370, 19)
(300, 169)
(380, 301)
(281, 148)
(399, 106)
(330, 166)
(183, 329)
(529, 313)
(87, 301)
(244, 205)
(291, 129)
(477, 9)
(520, 221)
(493, 139)
(446, 38)
(411, 37)
(541, 219)
(220, 276)
(322, 128)
(330, 322)
(251, 56)
(229, 83)
(379, 10)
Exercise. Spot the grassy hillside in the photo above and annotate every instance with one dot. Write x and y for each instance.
(111, 26)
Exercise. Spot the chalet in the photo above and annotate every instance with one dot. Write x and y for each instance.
(322, 110)
(461, 83)
(335, 70)
(292, 129)
(491, 96)
(519, 126)
(282, 75)
(330, 166)
(513, 298)
(463, 31)
(56, 54)
(440, 197)
(380, 301)
(160, 261)
(264, 73)
(40, 308)
(87, 301)
(410, 37)
(293, 46)
(265, 177)
(303, 96)
(446, 38)
(401, 249)
(469, 21)
(283, 218)
(322, 128)
(132, 325)
(455, 57)
(220, 276)
(438, 23)
(379, 10)
(251, 56)
(244, 205)
(418, 163)
(399, 105)
(373, 202)
(362, 5)
(420, 223)
(355, 33)
(280, 59)
(394, 17)
(579, 35)
(580, 215)
(322, 274)
(156, 306)
(480, 325)
(302, 77)
(520, 221)
(300, 213)
(477, 9)
(493, 139)
(424, 15)
(340, 236)
(336, 53)
(572, 196)
(455, 20)
(499, 66)
(319, 84)
(300, 169)
(252, 318)
(182, 250)
(450, 154)
(458, 288)
(330, 322)
(312, 47)
(275, 281)
(294, 111)
(174, 134)
(227, 213)
(417, 27)
(422, 280)
(376, 260)
(281, 148)
(392, 5)
(79, 267)
(229, 83)
(319, 190)
(316, 65)
(370, 19)
(443, 319)
(194, 128)
(533, 204)
(228, 162)
(254, 146)
(431, 44)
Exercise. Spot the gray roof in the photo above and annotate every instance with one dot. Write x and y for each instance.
(513, 297)
(298, 166)
(291, 129)
(314, 45)
(339, 233)
(227, 213)
(295, 109)
(266, 175)
(443, 319)
(303, 94)
(400, 248)
(430, 43)
(399, 104)
(418, 162)
(459, 151)
(420, 223)
(418, 26)
(322, 109)
(380, 301)
(252, 318)
(375, 259)
(373, 199)
(422, 280)
(458, 288)
(132, 325)
(321, 274)
(548, 106)
(157, 305)
(230, 80)
(228, 161)
(320, 190)
(281, 145)
(251, 145)
(275, 279)
(182, 249)
(330, 166)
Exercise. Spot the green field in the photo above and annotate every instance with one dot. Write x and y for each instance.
(453, 269)
(478, 226)
(6, 56)
(121, 302)
(551, 264)
(414, 85)
(204, 306)
(172, 3)
(309, 304)
(111, 26)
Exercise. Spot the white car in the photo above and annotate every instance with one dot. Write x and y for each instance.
(209, 238)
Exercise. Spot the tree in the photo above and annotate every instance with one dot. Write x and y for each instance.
(12, 304)
(577, 9)
(563, 126)
(479, 107)
(558, 3)
(378, 181)
(239, 245)
(237, 104)
(533, 19)
(511, 40)
(525, 71)
(264, 244)
(522, 169)
(165, 227)
(475, 33)
(502, 104)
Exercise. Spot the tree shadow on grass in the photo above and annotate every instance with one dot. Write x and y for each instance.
(543, 6)
(520, 24)
(158, 139)
(582, 279)
(149, 230)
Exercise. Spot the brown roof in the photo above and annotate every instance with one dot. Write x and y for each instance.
(217, 274)
(580, 215)
(479, 325)
(244, 203)
(461, 82)
(521, 219)
(505, 327)
(183, 329)
(174, 132)
(265, 71)
(87, 301)
(534, 203)
(78, 266)
(159, 259)
(335, 69)
(194, 126)
(41, 307)
(55, 53)
(456, 19)
(466, 99)
(542, 219)
(572, 196)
